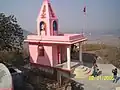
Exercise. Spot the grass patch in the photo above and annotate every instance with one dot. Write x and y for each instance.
(111, 55)
(94, 47)
(13, 57)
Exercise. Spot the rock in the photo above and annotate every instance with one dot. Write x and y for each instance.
(28, 86)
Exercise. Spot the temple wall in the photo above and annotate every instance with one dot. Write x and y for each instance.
(55, 55)
(47, 58)
(33, 49)
(50, 57)
(43, 60)
(63, 53)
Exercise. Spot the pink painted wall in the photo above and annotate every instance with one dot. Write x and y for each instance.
(55, 54)
(55, 38)
(44, 60)
(48, 18)
(63, 52)
(50, 57)
(33, 49)
(6, 89)
(47, 59)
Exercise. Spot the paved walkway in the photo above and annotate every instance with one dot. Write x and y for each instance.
(101, 84)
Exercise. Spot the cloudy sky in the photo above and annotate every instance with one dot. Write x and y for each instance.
(101, 14)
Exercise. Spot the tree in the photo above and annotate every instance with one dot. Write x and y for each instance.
(11, 40)
(11, 34)
(110, 55)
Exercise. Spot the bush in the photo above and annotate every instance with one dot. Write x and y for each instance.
(111, 55)
(15, 58)
(114, 56)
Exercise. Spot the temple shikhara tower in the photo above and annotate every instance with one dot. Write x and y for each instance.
(48, 47)
(47, 22)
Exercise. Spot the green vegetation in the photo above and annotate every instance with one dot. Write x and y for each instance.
(11, 39)
(94, 47)
(11, 34)
(12, 57)
(110, 55)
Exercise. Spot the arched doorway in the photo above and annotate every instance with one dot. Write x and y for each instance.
(42, 26)
(55, 26)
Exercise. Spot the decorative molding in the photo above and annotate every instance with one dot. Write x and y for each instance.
(43, 15)
(51, 11)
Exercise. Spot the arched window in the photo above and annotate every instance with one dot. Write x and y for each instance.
(42, 26)
(55, 27)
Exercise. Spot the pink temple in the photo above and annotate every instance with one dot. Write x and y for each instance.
(49, 47)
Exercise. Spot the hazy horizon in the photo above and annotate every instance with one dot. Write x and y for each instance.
(102, 15)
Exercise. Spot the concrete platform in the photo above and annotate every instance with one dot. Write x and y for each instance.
(77, 70)
(100, 84)
(64, 65)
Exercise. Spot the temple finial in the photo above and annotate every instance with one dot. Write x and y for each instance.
(46, 19)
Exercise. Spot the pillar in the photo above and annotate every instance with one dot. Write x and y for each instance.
(80, 52)
(59, 77)
(68, 57)
(59, 54)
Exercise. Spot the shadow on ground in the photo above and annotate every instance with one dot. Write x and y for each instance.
(118, 79)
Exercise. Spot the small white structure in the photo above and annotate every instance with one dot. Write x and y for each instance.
(5, 78)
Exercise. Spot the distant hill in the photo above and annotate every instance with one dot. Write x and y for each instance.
(103, 32)
(111, 37)
(94, 32)
(25, 33)
(113, 32)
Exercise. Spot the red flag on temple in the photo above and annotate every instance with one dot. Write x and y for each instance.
(84, 10)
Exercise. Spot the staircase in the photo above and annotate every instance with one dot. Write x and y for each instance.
(81, 72)
(77, 71)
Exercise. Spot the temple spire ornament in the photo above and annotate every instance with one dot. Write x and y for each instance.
(47, 18)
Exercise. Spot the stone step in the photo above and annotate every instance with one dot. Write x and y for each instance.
(82, 72)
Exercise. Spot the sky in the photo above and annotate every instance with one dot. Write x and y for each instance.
(101, 14)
